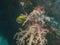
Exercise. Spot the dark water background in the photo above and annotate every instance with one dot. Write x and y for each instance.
(8, 25)
(8, 14)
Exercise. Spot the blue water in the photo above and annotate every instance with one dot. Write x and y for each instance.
(3, 41)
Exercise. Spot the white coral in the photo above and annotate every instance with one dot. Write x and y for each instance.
(32, 36)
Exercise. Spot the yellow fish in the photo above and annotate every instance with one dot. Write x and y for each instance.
(20, 19)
